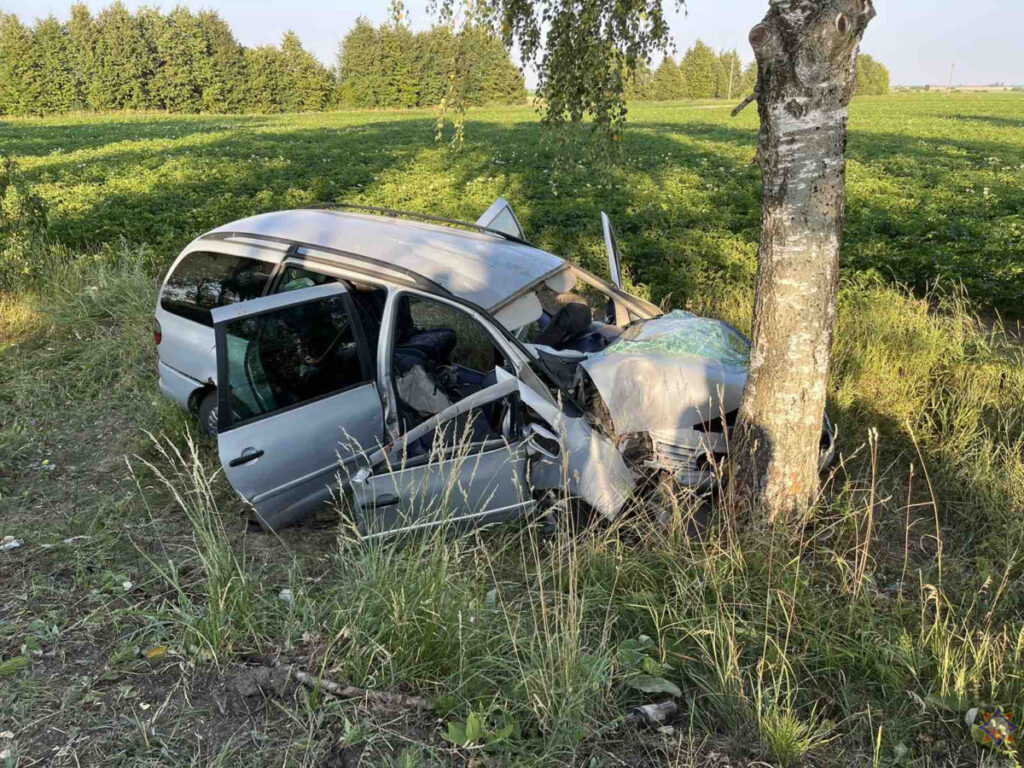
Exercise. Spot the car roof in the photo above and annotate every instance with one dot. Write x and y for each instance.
(480, 267)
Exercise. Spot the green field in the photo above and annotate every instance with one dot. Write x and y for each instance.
(127, 614)
(936, 184)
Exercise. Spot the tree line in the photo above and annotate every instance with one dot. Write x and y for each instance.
(392, 66)
(185, 61)
(872, 76)
(702, 73)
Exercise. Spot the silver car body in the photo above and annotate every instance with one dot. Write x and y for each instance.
(289, 461)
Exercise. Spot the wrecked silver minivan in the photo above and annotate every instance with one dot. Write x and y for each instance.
(436, 371)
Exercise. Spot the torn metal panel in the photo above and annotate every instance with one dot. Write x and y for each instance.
(591, 466)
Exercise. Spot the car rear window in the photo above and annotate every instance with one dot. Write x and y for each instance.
(204, 280)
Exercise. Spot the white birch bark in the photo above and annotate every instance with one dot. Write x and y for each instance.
(806, 54)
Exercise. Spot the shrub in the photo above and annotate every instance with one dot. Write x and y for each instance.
(22, 226)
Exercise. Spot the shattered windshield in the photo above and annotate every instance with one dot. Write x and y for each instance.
(683, 334)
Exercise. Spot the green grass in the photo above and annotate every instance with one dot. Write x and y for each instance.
(139, 589)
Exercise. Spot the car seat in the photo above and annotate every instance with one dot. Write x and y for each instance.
(572, 319)
(437, 344)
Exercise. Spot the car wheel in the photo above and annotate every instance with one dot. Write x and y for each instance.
(575, 515)
(208, 413)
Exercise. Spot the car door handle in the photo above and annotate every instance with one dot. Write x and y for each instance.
(383, 501)
(245, 458)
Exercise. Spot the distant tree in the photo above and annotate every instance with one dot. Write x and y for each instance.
(872, 76)
(667, 82)
(125, 59)
(222, 72)
(730, 75)
(390, 66)
(358, 57)
(699, 67)
(435, 50)
(182, 52)
(52, 67)
(396, 78)
(494, 79)
(19, 89)
(749, 79)
(306, 83)
(81, 40)
(264, 79)
(639, 84)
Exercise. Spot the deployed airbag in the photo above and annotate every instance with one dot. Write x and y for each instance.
(670, 372)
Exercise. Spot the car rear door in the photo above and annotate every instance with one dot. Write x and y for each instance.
(298, 404)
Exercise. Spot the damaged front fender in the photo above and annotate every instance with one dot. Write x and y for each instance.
(589, 467)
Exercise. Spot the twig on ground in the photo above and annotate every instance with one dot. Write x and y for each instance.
(344, 690)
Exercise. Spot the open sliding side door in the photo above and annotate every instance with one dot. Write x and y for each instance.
(298, 403)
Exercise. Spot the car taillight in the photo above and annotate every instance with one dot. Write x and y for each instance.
(158, 334)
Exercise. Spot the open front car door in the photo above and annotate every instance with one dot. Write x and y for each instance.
(453, 414)
(297, 399)
(466, 466)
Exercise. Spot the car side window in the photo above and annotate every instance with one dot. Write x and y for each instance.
(290, 356)
(296, 278)
(369, 300)
(205, 280)
(439, 356)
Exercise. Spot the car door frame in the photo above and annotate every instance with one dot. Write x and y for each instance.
(516, 356)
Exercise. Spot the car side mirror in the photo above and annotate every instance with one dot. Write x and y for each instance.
(541, 440)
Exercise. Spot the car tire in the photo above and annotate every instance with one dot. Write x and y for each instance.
(207, 413)
(574, 514)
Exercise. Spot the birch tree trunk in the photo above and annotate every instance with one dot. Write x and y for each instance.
(806, 55)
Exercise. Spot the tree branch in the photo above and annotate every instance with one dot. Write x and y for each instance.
(745, 103)
(344, 690)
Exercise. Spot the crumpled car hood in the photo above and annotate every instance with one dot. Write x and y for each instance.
(670, 373)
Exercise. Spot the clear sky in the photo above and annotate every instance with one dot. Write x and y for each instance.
(917, 39)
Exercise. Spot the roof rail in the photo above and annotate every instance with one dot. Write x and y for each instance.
(391, 212)
(414, 279)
